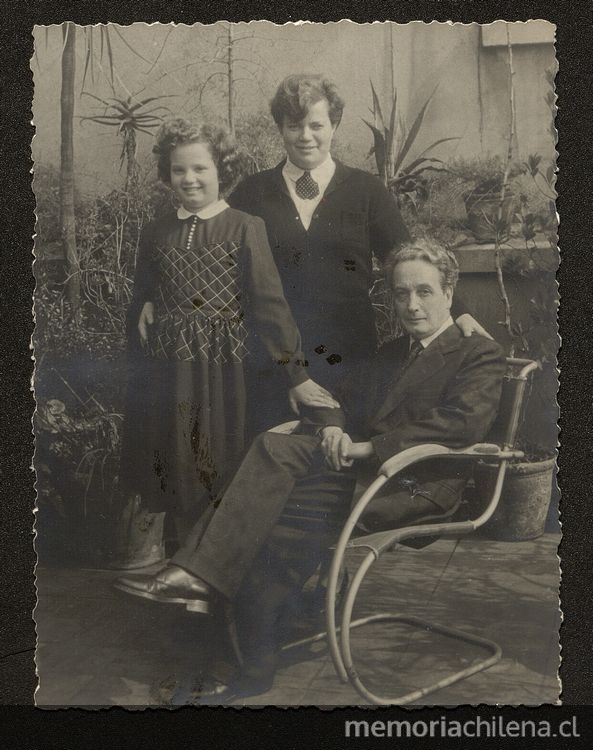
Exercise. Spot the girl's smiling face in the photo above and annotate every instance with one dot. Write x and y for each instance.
(194, 176)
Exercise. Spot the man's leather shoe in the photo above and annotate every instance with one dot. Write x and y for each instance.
(172, 585)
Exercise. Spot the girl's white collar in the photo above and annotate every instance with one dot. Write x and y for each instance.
(212, 209)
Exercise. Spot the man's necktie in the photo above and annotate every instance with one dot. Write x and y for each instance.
(306, 187)
(415, 350)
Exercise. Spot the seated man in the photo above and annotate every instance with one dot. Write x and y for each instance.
(292, 493)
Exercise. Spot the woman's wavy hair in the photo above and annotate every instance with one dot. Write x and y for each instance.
(297, 93)
(430, 251)
(226, 154)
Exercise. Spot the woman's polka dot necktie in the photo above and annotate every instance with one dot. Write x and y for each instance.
(306, 187)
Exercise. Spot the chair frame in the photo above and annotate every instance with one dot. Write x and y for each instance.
(338, 637)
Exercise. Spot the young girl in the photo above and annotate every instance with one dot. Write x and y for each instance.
(205, 275)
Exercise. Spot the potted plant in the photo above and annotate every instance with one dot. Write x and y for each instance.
(527, 491)
(483, 179)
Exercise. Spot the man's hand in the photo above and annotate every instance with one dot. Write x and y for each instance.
(310, 393)
(339, 450)
(335, 446)
(146, 319)
(358, 451)
(468, 325)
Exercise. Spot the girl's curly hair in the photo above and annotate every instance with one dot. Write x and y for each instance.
(229, 159)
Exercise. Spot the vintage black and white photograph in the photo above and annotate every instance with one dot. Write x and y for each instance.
(295, 364)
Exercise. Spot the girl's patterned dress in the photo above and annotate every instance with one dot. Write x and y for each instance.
(212, 280)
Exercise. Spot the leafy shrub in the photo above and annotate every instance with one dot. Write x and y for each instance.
(108, 231)
(258, 135)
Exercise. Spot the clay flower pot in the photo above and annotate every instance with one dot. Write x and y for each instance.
(525, 499)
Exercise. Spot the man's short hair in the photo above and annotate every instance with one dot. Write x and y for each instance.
(430, 251)
(297, 93)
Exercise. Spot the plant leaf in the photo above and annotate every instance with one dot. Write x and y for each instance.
(150, 111)
(392, 125)
(121, 108)
(411, 137)
(379, 147)
(418, 161)
(438, 143)
(98, 98)
(550, 172)
(377, 113)
(151, 99)
(103, 120)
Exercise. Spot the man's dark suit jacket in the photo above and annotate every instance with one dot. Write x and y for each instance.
(449, 395)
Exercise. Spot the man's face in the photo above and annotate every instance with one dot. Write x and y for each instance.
(421, 303)
(308, 141)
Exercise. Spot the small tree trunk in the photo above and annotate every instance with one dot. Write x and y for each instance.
(67, 215)
(499, 223)
(230, 80)
(132, 169)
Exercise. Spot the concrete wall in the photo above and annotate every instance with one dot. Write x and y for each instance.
(470, 101)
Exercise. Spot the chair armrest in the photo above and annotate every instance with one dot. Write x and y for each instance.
(417, 453)
(380, 541)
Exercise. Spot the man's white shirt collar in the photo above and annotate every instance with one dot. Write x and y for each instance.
(429, 339)
(212, 209)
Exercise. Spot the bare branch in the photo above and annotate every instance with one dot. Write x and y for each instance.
(128, 45)
(158, 57)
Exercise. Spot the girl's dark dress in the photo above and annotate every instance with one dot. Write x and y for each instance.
(210, 280)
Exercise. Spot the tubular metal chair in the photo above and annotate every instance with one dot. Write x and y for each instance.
(500, 451)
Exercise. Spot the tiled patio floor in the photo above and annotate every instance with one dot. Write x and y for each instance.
(97, 647)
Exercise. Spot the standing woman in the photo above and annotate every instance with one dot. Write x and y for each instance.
(324, 221)
(205, 280)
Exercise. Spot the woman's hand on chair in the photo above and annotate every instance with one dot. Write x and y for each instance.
(335, 445)
(310, 393)
(146, 319)
(468, 325)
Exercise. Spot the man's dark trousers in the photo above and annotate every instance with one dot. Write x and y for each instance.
(279, 473)
(278, 517)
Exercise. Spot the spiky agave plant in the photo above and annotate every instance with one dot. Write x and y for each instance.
(130, 117)
(389, 158)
